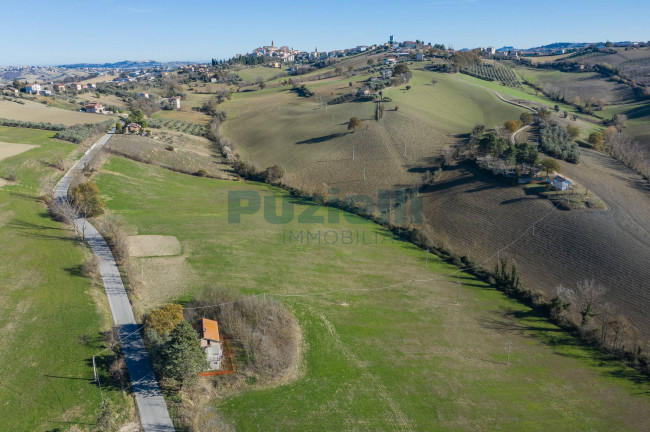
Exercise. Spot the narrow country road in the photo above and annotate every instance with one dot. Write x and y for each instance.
(513, 137)
(154, 416)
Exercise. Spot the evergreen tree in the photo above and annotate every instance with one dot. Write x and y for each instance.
(182, 357)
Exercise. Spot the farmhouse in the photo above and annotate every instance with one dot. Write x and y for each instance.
(33, 89)
(133, 128)
(391, 60)
(10, 91)
(94, 107)
(59, 88)
(171, 103)
(76, 86)
(211, 342)
(91, 86)
(386, 73)
(561, 184)
(45, 93)
(144, 95)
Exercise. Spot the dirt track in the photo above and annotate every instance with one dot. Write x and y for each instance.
(468, 211)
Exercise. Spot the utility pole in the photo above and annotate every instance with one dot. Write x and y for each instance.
(509, 343)
(99, 384)
(353, 152)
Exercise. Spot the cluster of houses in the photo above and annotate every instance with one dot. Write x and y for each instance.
(46, 90)
(284, 54)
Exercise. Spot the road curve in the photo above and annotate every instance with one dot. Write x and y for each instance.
(152, 408)
(513, 137)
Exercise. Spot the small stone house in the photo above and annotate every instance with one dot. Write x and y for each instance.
(172, 103)
(211, 342)
(133, 128)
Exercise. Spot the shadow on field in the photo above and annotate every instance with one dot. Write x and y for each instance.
(322, 138)
(31, 230)
(637, 112)
(25, 196)
(565, 344)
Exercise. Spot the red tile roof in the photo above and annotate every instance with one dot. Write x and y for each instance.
(209, 329)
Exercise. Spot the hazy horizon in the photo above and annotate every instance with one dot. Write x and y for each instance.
(107, 31)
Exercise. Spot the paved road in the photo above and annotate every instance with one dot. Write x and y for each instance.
(154, 416)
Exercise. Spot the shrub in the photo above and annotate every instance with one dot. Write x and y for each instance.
(273, 174)
(86, 197)
(165, 319)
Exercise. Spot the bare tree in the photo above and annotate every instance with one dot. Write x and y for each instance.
(587, 297)
(68, 213)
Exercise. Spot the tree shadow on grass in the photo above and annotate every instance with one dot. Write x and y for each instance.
(323, 138)
(25, 196)
(566, 344)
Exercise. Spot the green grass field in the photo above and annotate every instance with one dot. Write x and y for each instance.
(46, 303)
(250, 74)
(310, 139)
(401, 358)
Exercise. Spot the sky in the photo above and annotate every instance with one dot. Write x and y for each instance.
(97, 31)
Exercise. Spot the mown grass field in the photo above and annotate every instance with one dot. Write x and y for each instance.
(46, 303)
(38, 112)
(401, 358)
(250, 74)
(310, 139)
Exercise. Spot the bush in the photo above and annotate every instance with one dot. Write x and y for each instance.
(165, 319)
(273, 174)
(86, 197)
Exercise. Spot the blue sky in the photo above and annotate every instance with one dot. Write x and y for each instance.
(44, 32)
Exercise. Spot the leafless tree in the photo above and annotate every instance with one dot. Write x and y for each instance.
(587, 298)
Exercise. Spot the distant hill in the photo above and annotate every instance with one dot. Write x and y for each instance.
(126, 64)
